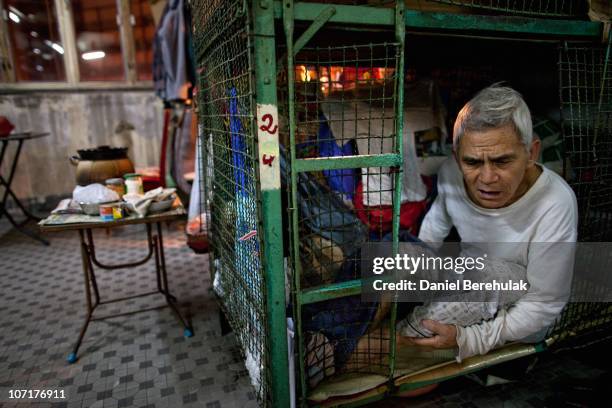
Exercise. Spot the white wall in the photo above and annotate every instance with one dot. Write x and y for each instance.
(76, 121)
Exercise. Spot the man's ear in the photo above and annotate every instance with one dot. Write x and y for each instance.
(534, 152)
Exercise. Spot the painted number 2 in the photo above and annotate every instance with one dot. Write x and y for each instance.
(268, 121)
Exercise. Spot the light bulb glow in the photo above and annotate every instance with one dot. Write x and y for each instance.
(93, 55)
(14, 17)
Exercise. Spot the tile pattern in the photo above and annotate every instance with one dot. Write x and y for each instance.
(143, 360)
(137, 360)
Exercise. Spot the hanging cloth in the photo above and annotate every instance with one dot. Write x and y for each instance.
(173, 62)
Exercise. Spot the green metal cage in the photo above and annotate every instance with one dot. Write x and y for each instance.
(280, 80)
(543, 8)
(585, 88)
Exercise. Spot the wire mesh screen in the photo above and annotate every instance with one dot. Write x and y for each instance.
(586, 102)
(226, 115)
(552, 8)
(345, 94)
(345, 105)
(586, 99)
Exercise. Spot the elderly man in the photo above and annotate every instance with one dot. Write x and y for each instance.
(494, 191)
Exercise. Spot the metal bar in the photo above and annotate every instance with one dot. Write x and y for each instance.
(502, 24)
(121, 299)
(129, 313)
(333, 291)
(4, 145)
(8, 191)
(345, 14)
(29, 216)
(264, 43)
(421, 20)
(348, 162)
(11, 172)
(20, 228)
(117, 266)
(72, 357)
(313, 29)
(153, 241)
(170, 300)
(92, 276)
(400, 36)
(288, 24)
(162, 258)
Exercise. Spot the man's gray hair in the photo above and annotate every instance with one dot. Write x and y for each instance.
(494, 107)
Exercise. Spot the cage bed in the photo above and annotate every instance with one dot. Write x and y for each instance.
(346, 131)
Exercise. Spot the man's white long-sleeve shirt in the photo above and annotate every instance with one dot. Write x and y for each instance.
(544, 216)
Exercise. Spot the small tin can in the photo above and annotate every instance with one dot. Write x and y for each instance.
(117, 212)
(106, 212)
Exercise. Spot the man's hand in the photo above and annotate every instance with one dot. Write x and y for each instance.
(445, 336)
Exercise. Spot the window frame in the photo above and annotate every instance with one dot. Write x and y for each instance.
(65, 22)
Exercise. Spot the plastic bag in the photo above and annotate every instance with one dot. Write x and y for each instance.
(94, 194)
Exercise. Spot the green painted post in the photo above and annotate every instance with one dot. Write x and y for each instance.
(266, 126)
(295, 249)
(400, 35)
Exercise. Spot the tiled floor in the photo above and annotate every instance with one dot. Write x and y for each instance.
(132, 361)
(143, 360)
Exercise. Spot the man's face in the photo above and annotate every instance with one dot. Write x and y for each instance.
(495, 165)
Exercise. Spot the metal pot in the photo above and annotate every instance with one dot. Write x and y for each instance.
(102, 163)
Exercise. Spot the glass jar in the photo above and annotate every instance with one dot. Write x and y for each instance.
(133, 183)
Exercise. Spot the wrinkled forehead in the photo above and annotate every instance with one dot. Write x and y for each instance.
(504, 139)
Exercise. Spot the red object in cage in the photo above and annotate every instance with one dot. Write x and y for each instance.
(379, 218)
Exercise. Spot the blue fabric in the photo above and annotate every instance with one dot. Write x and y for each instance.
(342, 321)
(344, 180)
(345, 320)
(246, 261)
(238, 144)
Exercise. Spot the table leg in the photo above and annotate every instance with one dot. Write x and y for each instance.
(153, 243)
(91, 250)
(86, 264)
(7, 191)
(4, 145)
(7, 183)
(20, 228)
(170, 300)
